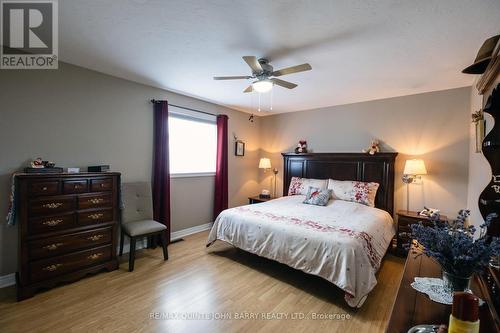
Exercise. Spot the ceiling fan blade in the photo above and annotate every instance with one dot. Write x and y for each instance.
(231, 77)
(248, 89)
(283, 83)
(293, 69)
(253, 63)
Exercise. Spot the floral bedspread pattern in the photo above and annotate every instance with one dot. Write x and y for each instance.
(355, 191)
(301, 185)
(343, 242)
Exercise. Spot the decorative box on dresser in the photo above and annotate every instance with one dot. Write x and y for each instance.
(67, 227)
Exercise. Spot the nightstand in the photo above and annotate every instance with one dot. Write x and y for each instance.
(257, 199)
(405, 220)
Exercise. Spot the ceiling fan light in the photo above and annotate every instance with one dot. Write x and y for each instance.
(262, 86)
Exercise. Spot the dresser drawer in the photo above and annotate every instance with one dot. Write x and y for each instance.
(44, 188)
(100, 185)
(63, 244)
(95, 201)
(75, 186)
(51, 205)
(47, 268)
(95, 217)
(51, 223)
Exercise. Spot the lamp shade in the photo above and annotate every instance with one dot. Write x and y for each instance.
(415, 167)
(265, 163)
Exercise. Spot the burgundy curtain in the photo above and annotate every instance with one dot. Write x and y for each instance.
(161, 172)
(221, 194)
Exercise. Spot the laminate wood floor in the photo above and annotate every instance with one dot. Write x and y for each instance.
(219, 289)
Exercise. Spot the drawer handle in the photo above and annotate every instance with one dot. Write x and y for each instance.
(95, 237)
(44, 188)
(103, 184)
(52, 268)
(52, 223)
(52, 247)
(95, 201)
(96, 216)
(95, 256)
(52, 205)
(77, 186)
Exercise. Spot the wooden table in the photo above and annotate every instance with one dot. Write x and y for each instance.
(413, 308)
(258, 199)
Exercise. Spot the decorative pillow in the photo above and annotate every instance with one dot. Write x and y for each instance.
(360, 192)
(301, 185)
(318, 197)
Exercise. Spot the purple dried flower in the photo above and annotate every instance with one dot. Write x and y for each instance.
(453, 245)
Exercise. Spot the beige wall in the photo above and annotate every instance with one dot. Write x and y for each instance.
(479, 169)
(77, 117)
(433, 126)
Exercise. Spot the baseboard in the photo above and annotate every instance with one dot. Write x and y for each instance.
(7, 280)
(140, 244)
(10, 279)
(189, 231)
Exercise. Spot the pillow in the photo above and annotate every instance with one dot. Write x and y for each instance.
(317, 196)
(301, 185)
(360, 192)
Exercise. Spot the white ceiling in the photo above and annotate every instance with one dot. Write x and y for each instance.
(359, 49)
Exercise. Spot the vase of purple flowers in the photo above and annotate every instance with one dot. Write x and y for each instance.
(454, 246)
(452, 282)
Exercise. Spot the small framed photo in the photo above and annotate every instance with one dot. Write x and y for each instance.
(239, 148)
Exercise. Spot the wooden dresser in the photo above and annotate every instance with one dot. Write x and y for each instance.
(414, 308)
(67, 227)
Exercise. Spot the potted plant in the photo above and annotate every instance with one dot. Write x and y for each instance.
(455, 248)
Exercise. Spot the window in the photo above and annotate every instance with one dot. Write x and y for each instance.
(192, 143)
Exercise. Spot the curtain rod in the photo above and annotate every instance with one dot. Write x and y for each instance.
(185, 108)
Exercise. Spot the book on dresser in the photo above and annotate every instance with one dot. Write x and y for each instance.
(67, 227)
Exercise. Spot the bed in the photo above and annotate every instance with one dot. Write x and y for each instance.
(342, 242)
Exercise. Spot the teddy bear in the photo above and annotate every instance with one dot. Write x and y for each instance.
(373, 148)
(301, 147)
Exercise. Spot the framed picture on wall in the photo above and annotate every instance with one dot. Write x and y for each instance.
(239, 148)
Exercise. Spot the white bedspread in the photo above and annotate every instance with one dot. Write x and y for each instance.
(343, 242)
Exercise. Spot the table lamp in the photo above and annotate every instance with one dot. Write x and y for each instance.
(412, 171)
(265, 163)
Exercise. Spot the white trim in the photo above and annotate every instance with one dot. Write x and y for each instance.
(189, 231)
(7, 280)
(142, 244)
(195, 174)
(10, 279)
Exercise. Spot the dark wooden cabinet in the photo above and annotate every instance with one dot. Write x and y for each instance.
(67, 227)
(405, 220)
(412, 308)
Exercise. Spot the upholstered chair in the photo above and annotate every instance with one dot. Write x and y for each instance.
(137, 218)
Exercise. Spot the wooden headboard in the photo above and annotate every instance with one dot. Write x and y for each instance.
(377, 168)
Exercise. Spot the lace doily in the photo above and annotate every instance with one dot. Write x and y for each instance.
(434, 288)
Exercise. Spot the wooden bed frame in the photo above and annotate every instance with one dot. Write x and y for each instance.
(377, 168)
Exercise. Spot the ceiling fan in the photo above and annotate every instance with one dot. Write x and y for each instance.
(263, 72)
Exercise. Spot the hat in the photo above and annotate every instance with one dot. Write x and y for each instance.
(483, 56)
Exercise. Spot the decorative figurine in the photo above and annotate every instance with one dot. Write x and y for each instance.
(373, 148)
(301, 147)
(37, 163)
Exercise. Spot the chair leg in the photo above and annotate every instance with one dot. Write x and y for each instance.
(131, 257)
(122, 236)
(163, 238)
